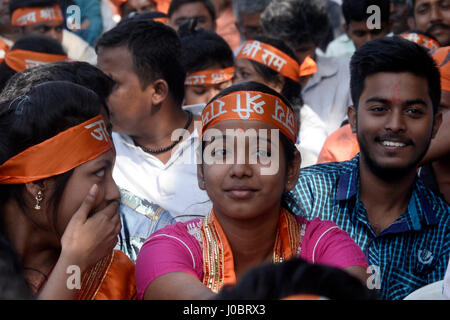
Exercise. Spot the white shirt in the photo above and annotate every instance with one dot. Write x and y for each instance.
(342, 46)
(78, 49)
(313, 132)
(327, 92)
(172, 185)
(446, 286)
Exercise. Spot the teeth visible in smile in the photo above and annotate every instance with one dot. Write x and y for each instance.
(393, 144)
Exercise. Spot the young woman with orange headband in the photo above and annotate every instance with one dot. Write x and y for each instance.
(271, 62)
(249, 223)
(58, 201)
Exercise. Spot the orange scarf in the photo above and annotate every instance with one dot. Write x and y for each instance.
(111, 278)
(218, 263)
(308, 67)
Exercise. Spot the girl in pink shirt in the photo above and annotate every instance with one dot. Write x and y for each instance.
(249, 164)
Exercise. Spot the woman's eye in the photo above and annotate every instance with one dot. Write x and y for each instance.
(100, 173)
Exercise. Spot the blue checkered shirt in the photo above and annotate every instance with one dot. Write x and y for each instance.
(409, 254)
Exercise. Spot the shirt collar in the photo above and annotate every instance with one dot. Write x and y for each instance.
(348, 181)
(326, 67)
(420, 210)
(126, 140)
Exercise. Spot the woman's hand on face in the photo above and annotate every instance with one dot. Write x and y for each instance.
(87, 239)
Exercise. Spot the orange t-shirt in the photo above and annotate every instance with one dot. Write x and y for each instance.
(341, 145)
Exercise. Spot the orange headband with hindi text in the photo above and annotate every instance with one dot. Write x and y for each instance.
(20, 60)
(251, 105)
(59, 154)
(270, 57)
(209, 76)
(27, 16)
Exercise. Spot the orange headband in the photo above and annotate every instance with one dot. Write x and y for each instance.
(442, 58)
(26, 16)
(422, 40)
(20, 60)
(209, 76)
(271, 57)
(308, 67)
(59, 154)
(251, 105)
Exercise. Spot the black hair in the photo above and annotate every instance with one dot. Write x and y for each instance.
(289, 147)
(296, 276)
(393, 54)
(296, 21)
(13, 285)
(81, 73)
(17, 4)
(148, 15)
(156, 52)
(46, 110)
(291, 89)
(176, 4)
(34, 43)
(356, 10)
(203, 48)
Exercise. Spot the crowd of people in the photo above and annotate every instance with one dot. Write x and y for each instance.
(224, 149)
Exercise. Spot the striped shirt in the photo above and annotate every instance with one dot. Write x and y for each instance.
(409, 254)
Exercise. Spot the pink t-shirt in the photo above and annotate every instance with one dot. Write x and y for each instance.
(175, 248)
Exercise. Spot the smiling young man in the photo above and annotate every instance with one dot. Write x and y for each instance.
(376, 197)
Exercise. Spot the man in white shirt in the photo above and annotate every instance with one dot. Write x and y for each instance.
(304, 25)
(153, 161)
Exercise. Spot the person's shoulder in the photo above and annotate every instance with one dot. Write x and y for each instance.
(341, 62)
(319, 226)
(178, 231)
(439, 207)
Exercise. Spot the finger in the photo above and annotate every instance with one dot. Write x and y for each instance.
(111, 210)
(87, 205)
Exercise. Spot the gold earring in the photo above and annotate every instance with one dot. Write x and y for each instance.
(38, 200)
